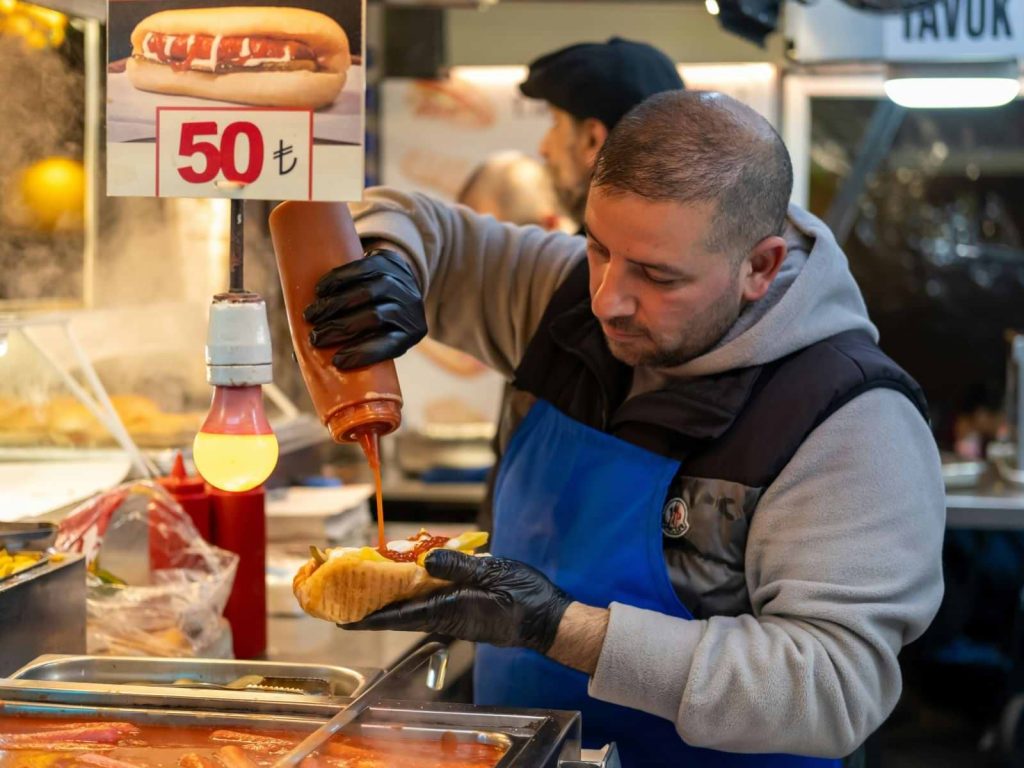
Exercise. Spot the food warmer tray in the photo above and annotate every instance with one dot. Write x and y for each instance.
(533, 738)
(281, 678)
(42, 610)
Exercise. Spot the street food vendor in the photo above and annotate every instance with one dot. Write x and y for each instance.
(720, 514)
(588, 87)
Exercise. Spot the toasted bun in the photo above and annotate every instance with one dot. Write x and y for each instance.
(346, 589)
(319, 32)
(301, 89)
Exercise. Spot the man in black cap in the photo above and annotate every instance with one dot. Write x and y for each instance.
(590, 86)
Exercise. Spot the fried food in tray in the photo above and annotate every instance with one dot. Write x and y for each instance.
(65, 421)
(36, 742)
(16, 562)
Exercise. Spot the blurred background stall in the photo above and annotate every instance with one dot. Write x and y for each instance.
(108, 297)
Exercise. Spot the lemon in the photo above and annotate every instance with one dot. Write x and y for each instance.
(53, 191)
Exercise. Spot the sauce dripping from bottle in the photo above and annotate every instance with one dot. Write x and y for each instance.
(369, 441)
(358, 405)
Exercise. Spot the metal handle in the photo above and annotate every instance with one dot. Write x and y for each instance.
(606, 757)
(433, 651)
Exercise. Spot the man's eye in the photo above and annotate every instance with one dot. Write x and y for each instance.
(661, 280)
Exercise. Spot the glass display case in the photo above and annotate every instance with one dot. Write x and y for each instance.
(50, 77)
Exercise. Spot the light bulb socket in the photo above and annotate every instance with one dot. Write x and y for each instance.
(238, 350)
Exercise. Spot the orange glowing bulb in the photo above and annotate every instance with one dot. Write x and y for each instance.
(235, 450)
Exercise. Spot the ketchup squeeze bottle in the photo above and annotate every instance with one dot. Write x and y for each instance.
(358, 405)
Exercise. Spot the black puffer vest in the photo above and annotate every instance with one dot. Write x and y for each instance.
(733, 432)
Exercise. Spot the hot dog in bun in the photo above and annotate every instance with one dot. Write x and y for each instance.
(264, 56)
(345, 584)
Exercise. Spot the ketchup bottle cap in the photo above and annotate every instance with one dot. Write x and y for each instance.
(179, 483)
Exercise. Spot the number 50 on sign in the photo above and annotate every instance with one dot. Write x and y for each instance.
(261, 154)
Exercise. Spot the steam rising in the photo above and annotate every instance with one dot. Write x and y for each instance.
(158, 261)
(43, 104)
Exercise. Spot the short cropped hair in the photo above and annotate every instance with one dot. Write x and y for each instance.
(702, 147)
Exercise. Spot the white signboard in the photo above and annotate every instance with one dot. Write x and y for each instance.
(267, 152)
(263, 101)
(435, 132)
(956, 30)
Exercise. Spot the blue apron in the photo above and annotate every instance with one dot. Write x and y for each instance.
(584, 507)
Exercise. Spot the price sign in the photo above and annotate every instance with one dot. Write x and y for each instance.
(248, 153)
(258, 101)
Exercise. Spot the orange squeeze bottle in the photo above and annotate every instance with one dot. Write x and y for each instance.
(358, 405)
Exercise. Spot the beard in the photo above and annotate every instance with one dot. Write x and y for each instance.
(574, 201)
(572, 197)
(702, 333)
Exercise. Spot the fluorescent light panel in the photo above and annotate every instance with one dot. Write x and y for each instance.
(944, 86)
(946, 92)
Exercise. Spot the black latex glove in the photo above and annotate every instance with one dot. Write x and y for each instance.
(371, 309)
(492, 600)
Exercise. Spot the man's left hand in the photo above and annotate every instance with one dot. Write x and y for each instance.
(491, 600)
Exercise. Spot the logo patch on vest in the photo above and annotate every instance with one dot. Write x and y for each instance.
(675, 518)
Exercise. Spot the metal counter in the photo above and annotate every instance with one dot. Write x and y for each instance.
(532, 738)
(42, 610)
(990, 503)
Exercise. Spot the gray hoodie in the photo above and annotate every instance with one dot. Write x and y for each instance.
(843, 557)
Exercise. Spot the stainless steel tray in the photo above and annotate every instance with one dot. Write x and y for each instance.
(533, 738)
(343, 682)
(42, 610)
(963, 474)
(36, 536)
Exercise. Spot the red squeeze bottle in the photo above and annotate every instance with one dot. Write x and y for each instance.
(359, 405)
(239, 526)
(190, 492)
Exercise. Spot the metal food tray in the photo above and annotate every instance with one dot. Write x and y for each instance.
(42, 610)
(532, 738)
(341, 682)
(963, 474)
(22, 536)
(43, 559)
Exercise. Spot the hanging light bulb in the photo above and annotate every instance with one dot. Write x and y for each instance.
(236, 450)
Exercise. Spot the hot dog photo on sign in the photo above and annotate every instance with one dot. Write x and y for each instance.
(305, 54)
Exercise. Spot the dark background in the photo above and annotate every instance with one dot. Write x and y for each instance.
(937, 247)
(938, 243)
(125, 14)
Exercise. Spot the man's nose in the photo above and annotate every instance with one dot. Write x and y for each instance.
(544, 150)
(610, 298)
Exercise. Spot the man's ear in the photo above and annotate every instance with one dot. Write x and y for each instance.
(761, 265)
(592, 133)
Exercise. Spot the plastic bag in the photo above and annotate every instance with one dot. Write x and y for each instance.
(155, 586)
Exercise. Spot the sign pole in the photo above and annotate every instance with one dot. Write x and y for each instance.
(236, 271)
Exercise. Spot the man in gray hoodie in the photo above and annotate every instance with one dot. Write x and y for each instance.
(736, 493)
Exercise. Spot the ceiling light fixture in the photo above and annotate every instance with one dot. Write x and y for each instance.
(960, 85)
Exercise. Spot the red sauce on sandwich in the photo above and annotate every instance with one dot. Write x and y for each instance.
(180, 54)
(423, 544)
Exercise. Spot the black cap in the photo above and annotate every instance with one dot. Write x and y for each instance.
(602, 80)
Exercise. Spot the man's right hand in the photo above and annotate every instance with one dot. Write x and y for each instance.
(370, 309)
